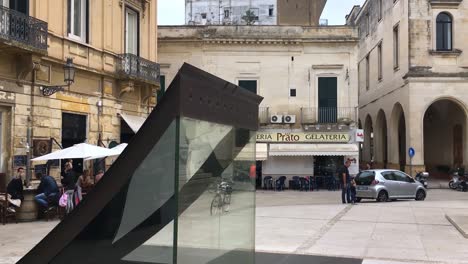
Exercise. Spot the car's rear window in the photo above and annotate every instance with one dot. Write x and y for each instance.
(365, 178)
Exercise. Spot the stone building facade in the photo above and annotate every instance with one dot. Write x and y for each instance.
(307, 76)
(412, 83)
(265, 12)
(113, 45)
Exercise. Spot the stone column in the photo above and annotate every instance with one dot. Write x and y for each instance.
(415, 139)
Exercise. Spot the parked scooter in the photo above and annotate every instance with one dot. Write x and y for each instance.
(422, 178)
(459, 181)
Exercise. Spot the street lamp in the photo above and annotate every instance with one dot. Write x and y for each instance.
(68, 78)
(69, 72)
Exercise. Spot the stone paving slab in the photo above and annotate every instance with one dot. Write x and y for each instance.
(316, 223)
(460, 222)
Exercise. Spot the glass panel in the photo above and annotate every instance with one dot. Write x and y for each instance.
(399, 176)
(365, 178)
(448, 36)
(250, 85)
(77, 17)
(144, 199)
(215, 220)
(217, 194)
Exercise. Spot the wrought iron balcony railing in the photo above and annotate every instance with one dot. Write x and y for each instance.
(136, 68)
(25, 30)
(328, 115)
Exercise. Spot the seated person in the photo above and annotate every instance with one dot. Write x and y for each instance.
(99, 175)
(48, 191)
(68, 177)
(85, 181)
(15, 189)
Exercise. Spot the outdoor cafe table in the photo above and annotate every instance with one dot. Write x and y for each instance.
(29, 209)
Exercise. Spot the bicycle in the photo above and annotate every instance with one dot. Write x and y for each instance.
(222, 200)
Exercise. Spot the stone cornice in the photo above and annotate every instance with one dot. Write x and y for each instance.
(445, 3)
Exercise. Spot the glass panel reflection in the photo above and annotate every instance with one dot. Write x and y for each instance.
(216, 199)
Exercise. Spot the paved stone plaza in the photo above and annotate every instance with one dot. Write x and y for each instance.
(316, 223)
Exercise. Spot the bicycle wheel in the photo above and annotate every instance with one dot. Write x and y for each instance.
(226, 202)
(216, 205)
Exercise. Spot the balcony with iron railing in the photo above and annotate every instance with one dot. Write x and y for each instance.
(328, 115)
(133, 67)
(23, 31)
(313, 115)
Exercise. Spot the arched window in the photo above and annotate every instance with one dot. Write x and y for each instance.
(444, 32)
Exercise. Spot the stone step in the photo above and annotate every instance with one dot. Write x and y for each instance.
(460, 222)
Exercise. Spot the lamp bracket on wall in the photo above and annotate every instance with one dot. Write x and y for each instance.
(50, 90)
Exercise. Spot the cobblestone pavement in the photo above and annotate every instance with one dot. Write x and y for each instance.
(316, 223)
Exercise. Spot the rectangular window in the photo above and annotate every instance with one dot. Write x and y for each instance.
(78, 19)
(226, 13)
(380, 9)
(379, 51)
(131, 31)
(359, 78)
(396, 47)
(367, 72)
(327, 100)
(162, 82)
(270, 11)
(292, 92)
(250, 85)
(21, 6)
(367, 24)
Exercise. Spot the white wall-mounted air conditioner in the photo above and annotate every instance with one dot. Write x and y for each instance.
(289, 119)
(276, 119)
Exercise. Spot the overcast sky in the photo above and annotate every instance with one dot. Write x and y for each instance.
(171, 12)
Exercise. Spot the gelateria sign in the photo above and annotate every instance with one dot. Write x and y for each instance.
(279, 137)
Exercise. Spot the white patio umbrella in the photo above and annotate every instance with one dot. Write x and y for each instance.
(78, 151)
(116, 151)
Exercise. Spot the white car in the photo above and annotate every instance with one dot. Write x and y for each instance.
(384, 185)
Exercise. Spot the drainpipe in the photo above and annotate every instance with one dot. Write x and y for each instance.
(29, 133)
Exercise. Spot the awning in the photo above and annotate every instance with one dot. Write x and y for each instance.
(314, 150)
(261, 151)
(246, 154)
(134, 122)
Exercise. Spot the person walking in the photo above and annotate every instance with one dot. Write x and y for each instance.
(345, 180)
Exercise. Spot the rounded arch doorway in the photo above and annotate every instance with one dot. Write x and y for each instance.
(444, 137)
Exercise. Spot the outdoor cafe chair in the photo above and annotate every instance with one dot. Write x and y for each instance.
(295, 183)
(280, 186)
(304, 184)
(268, 183)
(5, 213)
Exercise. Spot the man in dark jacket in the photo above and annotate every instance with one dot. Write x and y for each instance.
(15, 187)
(345, 180)
(48, 190)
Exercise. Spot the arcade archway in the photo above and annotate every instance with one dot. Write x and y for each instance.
(444, 137)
